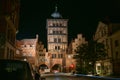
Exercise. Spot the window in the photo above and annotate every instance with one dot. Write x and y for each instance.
(116, 55)
(25, 46)
(60, 24)
(54, 24)
(57, 32)
(53, 55)
(30, 45)
(98, 67)
(116, 43)
(64, 31)
(55, 39)
(53, 32)
(60, 32)
(58, 47)
(59, 40)
(60, 55)
(55, 47)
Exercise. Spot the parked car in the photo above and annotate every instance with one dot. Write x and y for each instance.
(15, 70)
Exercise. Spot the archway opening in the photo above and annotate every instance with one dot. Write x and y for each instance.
(43, 66)
(56, 68)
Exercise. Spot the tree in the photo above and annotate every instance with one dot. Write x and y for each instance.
(87, 54)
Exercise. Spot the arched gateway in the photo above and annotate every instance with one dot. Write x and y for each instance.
(56, 68)
(43, 68)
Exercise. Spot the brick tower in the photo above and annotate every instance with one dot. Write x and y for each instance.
(57, 40)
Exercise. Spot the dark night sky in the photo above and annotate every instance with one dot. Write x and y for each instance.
(83, 16)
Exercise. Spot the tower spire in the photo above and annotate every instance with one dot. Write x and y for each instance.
(56, 8)
(56, 14)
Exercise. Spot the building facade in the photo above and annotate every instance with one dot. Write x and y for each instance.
(108, 33)
(57, 40)
(102, 35)
(115, 48)
(9, 20)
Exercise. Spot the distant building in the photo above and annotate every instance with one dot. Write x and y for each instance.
(57, 40)
(71, 52)
(9, 20)
(28, 50)
(43, 58)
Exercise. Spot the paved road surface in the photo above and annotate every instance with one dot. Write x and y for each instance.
(63, 76)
